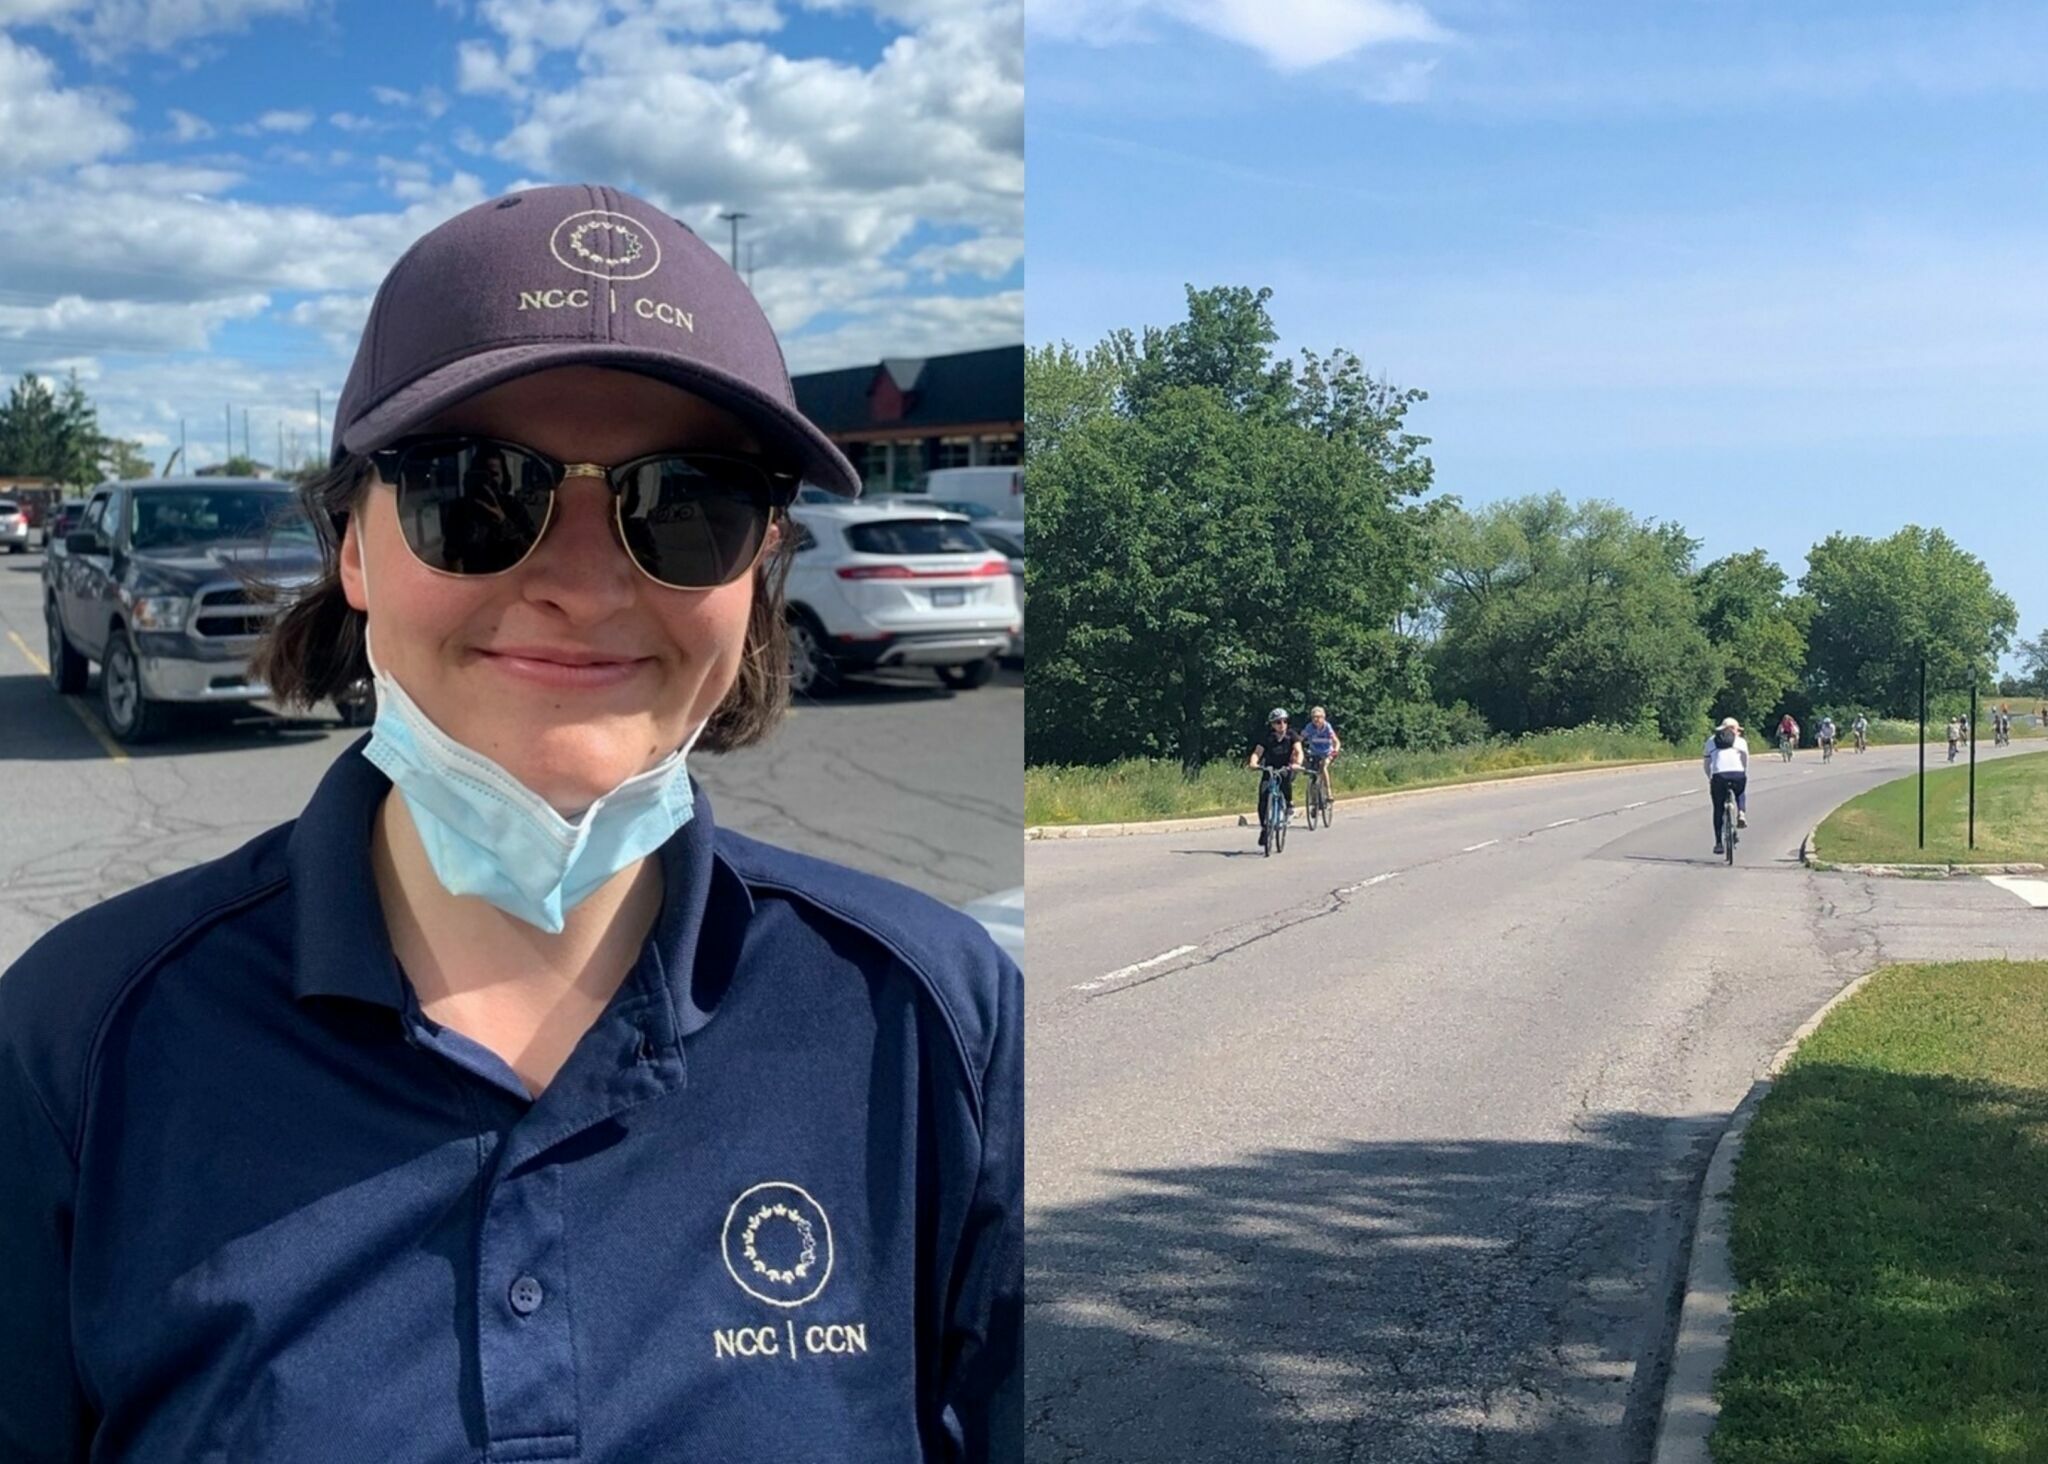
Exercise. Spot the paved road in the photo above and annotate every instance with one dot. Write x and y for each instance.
(898, 777)
(1395, 1159)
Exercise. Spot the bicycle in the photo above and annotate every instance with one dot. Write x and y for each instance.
(1728, 823)
(1275, 813)
(1785, 746)
(1862, 742)
(1319, 801)
(1827, 750)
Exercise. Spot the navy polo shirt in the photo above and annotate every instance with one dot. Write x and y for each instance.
(256, 1206)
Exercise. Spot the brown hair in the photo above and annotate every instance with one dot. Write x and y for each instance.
(314, 649)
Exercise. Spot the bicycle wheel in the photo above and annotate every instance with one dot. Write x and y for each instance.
(1280, 833)
(1728, 827)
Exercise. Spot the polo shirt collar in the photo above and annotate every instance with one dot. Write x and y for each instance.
(344, 950)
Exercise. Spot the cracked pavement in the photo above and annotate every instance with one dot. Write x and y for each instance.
(899, 777)
(1395, 1157)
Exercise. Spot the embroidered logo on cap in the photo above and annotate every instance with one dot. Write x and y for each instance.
(606, 245)
(778, 1244)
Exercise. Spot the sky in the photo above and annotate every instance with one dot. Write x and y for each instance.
(198, 198)
(1769, 271)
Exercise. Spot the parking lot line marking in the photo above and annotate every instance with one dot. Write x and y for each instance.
(1119, 974)
(2033, 891)
(1482, 844)
(92, 723)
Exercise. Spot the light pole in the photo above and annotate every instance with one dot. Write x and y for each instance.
(734, 220)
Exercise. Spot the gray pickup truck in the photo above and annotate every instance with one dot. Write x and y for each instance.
(153, 584)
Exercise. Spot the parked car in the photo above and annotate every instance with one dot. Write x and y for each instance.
(157, 584)
(62, 520)
(1012, 547)
(875, 585)
(13, 526)
(980, 515)
(999, 488)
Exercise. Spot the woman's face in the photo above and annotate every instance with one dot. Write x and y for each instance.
(574, 671)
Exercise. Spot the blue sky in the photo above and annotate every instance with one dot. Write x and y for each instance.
(199, 197)
(1771, 271)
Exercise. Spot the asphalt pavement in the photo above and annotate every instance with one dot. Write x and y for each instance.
(1387, 1148)
(899, 777)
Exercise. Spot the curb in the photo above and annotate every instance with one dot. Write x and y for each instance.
(1809, 855)
(1239, 820)
(1706, 1320)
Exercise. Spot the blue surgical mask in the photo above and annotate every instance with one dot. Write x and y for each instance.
(488, 834)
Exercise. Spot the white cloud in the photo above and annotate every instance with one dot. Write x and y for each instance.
(43, 126)
(352, 122)
(931, 326)
(72, 323)
(481, 71)
(1292, 35)
(179, 178)
(339, 318)
(280, 121)
(187, 128)
(988, 257)
(106, 28)
(431, 101)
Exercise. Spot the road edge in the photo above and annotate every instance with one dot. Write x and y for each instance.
(1236, 820)
(1706, 1318)
(1809, 855)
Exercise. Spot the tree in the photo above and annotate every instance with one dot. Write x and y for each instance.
(1760, 632)
(120, 458)
(1221, 536)
(2033, 677)
(1880, 604)
(1557, 614)
(1064, 388)
(48, 434)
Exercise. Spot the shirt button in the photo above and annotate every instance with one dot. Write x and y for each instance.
(526, 1296)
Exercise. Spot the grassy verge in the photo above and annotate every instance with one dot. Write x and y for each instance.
(1882, 826)
(1141, 789)
(1889, 1238)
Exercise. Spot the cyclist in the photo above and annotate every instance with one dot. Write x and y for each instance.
(1321, 744)
(1279, 753)
(1861, 727)
(1824, 734)
(1742, 792)
(1788, 734)
(1727, 762)
(1955, 736)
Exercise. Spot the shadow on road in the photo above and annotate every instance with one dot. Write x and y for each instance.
(40, 728)
(1506, 1301)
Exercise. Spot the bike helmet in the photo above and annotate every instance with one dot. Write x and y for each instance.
(1278, 714)
(1730, 722)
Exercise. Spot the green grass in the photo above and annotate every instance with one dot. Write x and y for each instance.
(1882, 826)
(1143, 789)
(1890, 1235)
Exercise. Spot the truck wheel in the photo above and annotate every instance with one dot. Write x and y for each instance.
(973, 674)
(67, 668)
(812, 671)
(131, 716)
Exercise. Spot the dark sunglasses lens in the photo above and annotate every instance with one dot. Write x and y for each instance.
(472, 507)
(695, 522)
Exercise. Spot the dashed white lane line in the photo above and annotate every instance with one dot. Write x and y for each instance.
(1627, 806)
(1482, 844)
(1560, 823)
(2033, 891)
(1369, 883)
(1125, 972)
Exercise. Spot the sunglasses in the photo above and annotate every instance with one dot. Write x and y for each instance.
(479, 506)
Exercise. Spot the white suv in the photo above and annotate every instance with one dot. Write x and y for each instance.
(895, 585)
(13, 527)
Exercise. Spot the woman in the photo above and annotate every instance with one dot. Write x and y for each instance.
(523, 1115)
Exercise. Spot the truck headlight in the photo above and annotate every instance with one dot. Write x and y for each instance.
(160, 612)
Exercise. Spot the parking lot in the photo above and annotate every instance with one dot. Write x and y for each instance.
(895, 775)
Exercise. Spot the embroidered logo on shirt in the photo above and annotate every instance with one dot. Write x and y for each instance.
(778, 1244)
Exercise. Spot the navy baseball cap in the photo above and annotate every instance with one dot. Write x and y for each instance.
(565, 276)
